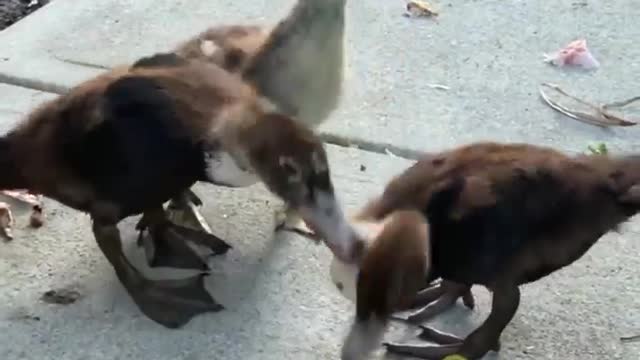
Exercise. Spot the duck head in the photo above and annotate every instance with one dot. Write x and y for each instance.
(393, 269)
(292, 163)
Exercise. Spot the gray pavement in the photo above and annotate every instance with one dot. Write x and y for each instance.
(488, 52)
(280, 302)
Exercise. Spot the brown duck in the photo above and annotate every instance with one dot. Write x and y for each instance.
(132, 138)
(499, 216)
(298, 65)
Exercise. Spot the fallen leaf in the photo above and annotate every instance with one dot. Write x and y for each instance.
(417, 8)
(599, 115)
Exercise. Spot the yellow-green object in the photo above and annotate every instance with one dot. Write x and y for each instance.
(454, 357)
(600, 149)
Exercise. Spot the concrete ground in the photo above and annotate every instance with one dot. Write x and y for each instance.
(280, 302)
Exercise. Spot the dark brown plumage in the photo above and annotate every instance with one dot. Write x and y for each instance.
(229, 46)
(130, 139)
(500, 215)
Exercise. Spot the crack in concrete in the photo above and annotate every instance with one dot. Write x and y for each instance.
(369, 146)
(81, 63)
(32, 84)
(326, 137)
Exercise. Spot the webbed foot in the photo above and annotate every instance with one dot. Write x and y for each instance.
(173, 303)
(438, 298)
(448, 346)
(485, 338)
(430, 352)
(171, 245)
(166, 247)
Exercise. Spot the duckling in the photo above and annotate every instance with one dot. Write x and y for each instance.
(500, 216)
(297, 65)
(130, 139)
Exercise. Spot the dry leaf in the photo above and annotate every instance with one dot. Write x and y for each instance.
(584, 111)
(417, 8)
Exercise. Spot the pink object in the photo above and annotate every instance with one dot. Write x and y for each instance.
(575, 54)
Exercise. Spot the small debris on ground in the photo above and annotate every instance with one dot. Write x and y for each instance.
(6, 222)
(576, 53)
(438, 86)
(31, 317)
(417, 8)
(629, 339)
(363, 168)
(60, 296)
(579, 4)
(24, 317)
(598, 115)
(36, 220)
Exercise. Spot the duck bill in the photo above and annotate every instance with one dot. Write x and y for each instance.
(327, 219)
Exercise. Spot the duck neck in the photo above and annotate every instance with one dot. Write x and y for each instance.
(228, 153)
(10, 175)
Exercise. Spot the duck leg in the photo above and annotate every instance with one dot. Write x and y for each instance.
(438, 298)
(288, 220)
(170, 245)
(183, 210)
(171, 303)
(486, 337)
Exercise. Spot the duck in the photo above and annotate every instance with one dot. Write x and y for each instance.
(499, 215)
(130, 139)
(298, 65)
